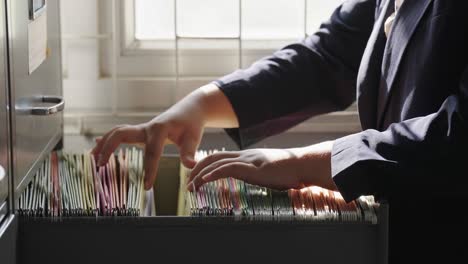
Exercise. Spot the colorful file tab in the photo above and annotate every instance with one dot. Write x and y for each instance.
(72, 185)
(231, 197)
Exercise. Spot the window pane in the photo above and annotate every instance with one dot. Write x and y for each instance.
(319, 11)
(262, 19)
(208, 18)
(154, 19)
(273, 19)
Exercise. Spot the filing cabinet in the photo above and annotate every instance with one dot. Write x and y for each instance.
(36, 95)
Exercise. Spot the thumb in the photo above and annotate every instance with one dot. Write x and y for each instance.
(188, 148)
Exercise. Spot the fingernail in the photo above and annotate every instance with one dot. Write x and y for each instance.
(206, 177)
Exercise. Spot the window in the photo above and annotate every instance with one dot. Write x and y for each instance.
(263, 24)
(205, 39)
(131, 59)
(253, 19)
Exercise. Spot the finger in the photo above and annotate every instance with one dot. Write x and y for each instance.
(137, 144)
(212, 158)
(127, 134)
(167, 141)
(153, 152)
(94, 153)
(197, 180)
(187, 151)
(210, 167)
(101, 140)
(237, 170)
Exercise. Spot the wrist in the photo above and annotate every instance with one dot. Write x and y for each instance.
(314, 165)
(216, 107)
(196, 105)
(206, 100)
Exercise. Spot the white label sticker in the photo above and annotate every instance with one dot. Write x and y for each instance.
(37, 38)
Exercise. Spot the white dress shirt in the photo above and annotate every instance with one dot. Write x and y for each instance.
(391, 18)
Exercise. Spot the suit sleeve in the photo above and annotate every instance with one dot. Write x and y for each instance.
(315, 76)
(420, 157)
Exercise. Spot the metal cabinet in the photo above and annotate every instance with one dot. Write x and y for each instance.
(36, 119)
(8, 222)
(4, 120)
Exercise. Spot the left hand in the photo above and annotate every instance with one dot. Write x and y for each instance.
(274, 168)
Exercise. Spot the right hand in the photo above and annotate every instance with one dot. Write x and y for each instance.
(182, 124)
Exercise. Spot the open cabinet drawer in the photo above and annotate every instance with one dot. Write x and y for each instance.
(187, 239)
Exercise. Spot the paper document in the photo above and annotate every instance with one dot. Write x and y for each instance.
(37, 39)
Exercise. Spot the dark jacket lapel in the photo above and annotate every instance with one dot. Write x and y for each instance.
(406, 21)
(369, 72)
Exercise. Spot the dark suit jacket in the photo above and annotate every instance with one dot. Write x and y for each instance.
(412, 94)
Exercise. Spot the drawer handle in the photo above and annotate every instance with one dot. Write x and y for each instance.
(45, 110)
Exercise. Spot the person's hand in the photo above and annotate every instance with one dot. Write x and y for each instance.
(182, 124)
(182, 128)
(274, 168)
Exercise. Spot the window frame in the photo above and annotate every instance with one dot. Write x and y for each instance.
(131, 46)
